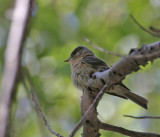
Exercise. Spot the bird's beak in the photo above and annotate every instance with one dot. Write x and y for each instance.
(67, 60)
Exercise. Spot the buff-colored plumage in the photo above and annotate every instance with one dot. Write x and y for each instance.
(84, 63)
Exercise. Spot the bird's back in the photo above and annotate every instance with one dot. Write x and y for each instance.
(83, 69)
(95, 63)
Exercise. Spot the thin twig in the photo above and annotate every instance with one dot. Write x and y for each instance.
(43, 117)
(143, 28)
(154, 29)
(127, 132)
(142, 117)
(97, 99)
(101, 49)
(37, 104)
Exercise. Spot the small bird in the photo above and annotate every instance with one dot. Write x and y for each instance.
(84, 64)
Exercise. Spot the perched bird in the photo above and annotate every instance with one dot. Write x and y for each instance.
(84, 63)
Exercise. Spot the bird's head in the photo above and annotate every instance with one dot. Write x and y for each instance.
(79, 53)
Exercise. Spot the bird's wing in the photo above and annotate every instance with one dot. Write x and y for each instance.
(99, 65)
(95, 63)
(119, 89)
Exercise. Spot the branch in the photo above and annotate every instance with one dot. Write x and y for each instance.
(101, 49)
(126, 131)
(109, 77)
(43, 117)
(154, 29)
(126, 65)
(143, 28)
(13, 52)
(97, 99)
(142, 117)
(38, 109)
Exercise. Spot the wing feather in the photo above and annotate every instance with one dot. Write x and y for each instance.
(100, 65)
(95, 63)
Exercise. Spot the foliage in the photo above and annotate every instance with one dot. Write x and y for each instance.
(59, 26)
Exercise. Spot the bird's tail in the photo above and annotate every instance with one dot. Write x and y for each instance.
(137, 99)
(122, 91)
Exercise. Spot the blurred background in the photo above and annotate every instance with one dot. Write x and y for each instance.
(58, 26)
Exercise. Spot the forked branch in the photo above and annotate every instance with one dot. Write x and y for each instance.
(117, 73)
(31, 93)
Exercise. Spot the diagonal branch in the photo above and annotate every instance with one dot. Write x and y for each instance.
(143, 28)
(97, 99)
(109, 77)
(127, 65)
(43, 117)
(154, 29)
(101, 49)
(142, 117)
(38, 109)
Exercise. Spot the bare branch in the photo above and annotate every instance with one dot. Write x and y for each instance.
(101, 49)
(96, 100)
(143, 28)
(126, 65)
(154, 29)
(12, 58)
(142, 117)
(126, 131)
(38, 109)
(43, 117)
(113, 75)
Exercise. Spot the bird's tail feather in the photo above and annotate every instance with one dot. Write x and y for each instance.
(137, 99)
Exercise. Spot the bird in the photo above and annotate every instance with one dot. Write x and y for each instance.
(84, 64)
